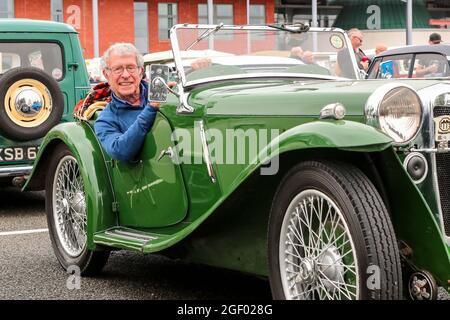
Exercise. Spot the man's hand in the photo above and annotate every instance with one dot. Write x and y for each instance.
(365, 65)
(433, 68)
(201, 63)
(156, 105)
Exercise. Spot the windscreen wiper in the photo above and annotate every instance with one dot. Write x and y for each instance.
(205, 34)
(300, 27)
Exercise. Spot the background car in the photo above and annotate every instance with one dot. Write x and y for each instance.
(331, 188)
(404, 62)
(94, 71)
(42, 75)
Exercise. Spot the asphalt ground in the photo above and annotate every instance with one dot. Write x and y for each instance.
(29, 269)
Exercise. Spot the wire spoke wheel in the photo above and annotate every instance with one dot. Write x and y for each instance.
(67, 214)
(328, 229)
(69, 206)
(317, 255)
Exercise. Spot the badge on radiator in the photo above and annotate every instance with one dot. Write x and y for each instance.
(442, 128)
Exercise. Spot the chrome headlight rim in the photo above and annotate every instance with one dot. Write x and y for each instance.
(373, 104)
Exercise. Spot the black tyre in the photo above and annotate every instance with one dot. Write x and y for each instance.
(330, 237)
(31, 103)
(66, 210)
(5, 182)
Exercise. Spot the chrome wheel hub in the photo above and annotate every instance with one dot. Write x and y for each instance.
(306, 272)
(28, 102)
(78, 202)
(331, 267)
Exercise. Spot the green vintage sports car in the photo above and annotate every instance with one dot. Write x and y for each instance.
(42, 75)
(264, 162)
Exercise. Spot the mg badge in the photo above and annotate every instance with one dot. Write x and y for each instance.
(444, 125)
(442, 131)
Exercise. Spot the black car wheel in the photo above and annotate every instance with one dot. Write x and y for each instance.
(330, 237)
(31, 103)
(66, 210)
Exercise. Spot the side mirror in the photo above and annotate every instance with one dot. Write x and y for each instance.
(158, 78)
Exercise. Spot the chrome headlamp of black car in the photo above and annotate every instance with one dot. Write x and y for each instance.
(395, 109)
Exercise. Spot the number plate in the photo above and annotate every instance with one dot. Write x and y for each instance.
(18, 153)
(442, 125)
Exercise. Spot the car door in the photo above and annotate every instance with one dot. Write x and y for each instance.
(150, 190)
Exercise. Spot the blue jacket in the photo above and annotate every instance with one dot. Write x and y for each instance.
(122, 127)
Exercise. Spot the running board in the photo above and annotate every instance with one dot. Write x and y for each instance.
(126, 238)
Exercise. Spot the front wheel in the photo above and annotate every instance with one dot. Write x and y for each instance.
(330, 237)
(67, 214)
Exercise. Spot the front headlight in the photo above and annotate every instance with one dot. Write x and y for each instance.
(396, 109)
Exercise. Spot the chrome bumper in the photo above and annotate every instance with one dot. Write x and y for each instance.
(15, 171)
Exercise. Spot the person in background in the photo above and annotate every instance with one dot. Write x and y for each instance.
(201, 63)
(305, 56)
(344, 66)
(435, 38)
(427, 66)
(296, 53)
(308, 57)
(379, 48)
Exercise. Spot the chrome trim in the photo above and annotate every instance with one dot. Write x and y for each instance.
(330, 111)
(430, 150)
(431, 97)
(15, 171)
(167, 87)
(206, 154)
(166, 152)
(405, 165)
(275, 75)
(372, 107)
(183, 106)
(176, 46)
(176, 56)
(28, 102)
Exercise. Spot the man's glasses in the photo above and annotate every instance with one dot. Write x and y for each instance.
(119, 70)
(360, 40)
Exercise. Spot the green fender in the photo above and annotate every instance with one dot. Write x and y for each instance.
(333, 134)
(81, 141)
(341, 134)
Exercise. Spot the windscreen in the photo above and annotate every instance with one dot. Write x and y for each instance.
(217, 52)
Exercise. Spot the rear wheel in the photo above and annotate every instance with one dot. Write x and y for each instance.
(330, 237)
(67, 214)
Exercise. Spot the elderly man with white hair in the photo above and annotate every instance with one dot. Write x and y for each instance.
(123, 125)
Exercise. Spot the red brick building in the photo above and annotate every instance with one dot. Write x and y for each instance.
(143, 22)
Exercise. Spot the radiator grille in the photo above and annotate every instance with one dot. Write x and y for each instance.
(443, 174)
